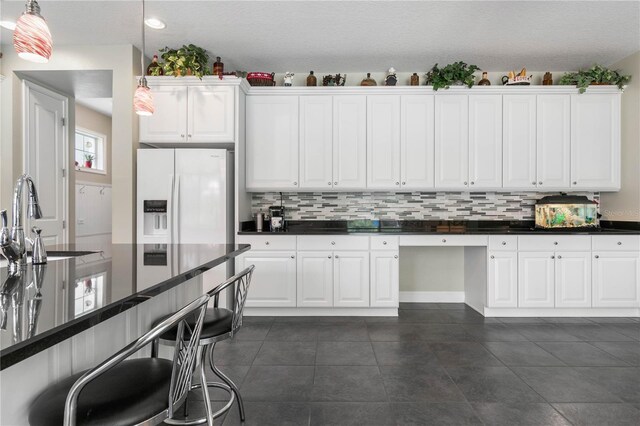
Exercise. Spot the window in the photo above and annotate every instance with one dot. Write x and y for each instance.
(90, 151)
(88, 294)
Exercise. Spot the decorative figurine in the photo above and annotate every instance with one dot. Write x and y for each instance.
(547, 80)
(485, 81)
(391, 78)
(415, 79)
(334, 80)
(288, 78)
(513, 79)
(368, 81)
(311, 79)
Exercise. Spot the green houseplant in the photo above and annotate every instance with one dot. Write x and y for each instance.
(452, 74)
(597, 75)
(88, 160)
(186, 60)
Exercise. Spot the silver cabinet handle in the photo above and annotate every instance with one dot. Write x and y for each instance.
(333, 243)
(266, 243)
(559, 257)
(336, 256)
(335, 183)
(575, 183)
(619, 243)
(596, 256)
(553, 257)
(540, 183)
(504, 243)
(295, 183)
(472, 182)
(293, 257)
(182, 136)
(404, 183)
(465, 183)
(397, 183)
(444, 241)
(555, 243)
(493, 257)
(533, 183)
(329, 257)
(395, 257)
(189, 136)
(329, 183)
(384, 243)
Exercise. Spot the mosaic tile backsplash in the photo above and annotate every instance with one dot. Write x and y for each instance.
(405, 205)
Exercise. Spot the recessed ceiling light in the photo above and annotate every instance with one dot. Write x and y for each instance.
(154, 23)
(10, 25)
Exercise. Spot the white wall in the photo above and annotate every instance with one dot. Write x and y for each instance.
(431, 269)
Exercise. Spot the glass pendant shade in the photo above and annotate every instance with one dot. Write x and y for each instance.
(31, 38)
(143, 100)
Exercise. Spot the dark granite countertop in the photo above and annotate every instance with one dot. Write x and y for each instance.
(82, 291)
(417, 227)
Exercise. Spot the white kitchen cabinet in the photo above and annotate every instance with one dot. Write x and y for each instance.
(210, 114)
(316, 142)
(519, 141)
(315, 279)
(485, 142)
(616, 279)
(417, 141)
(553, 141)
(349, 142)
(351, 279)
(384, 279)
(169, 121)
(502, 281)
(272, 142)
(573, 280)
(452, 141)
(536, 276)
(274, 279)
(383, 142)
(595, 141)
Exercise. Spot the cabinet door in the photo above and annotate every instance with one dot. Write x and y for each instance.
(349, 142)
(384, 279)
(316, 142)
(502, 280)
(315, 279)
(383, 142)
(573, 280)
(169, 121)
(272, 142)
(211, 114)
(452, 141)
(595, 141)
(536, 279)
(351, 278)
(416, 141)
(616, 278)
(553, 135)
(485, 141)
(519, 141)
(274, 280)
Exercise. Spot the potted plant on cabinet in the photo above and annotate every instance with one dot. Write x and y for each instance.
(186, 60)
(596, 75)
(455, 74)
(88, 161)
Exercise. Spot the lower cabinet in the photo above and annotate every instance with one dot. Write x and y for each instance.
(502, 279)
(616, 279)
(351, 279)
(384, 279)
(536, 279)
(573, 280)
(274, 280)
(315, 279)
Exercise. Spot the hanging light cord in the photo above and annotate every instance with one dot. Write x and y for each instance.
(143, 80)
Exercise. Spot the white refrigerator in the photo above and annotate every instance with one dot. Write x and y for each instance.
(184, 196)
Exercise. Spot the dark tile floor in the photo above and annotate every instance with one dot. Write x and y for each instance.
(440, 364)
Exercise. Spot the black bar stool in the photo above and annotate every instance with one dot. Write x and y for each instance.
(136, 391)
(219, 324)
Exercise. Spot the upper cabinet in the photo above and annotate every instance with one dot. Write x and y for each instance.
(452, 142)
(316, 142)
(553, 141)
(417, 141)
(190, 114)
(349, 142)
(519, 133)
(383, 142)
(485, 142)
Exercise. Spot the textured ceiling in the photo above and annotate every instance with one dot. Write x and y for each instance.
(349, 36)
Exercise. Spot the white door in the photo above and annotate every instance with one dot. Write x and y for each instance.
(351, 279)
(595, 141)
(416, 141)
(315, 279)
(349, 142)
(502, 282)
(452, 141)
(383, 142)
(384, 278)
(553, 135)
(573, 280)
(536, 279)
(485, 142)
(274, 279)
(155, 180)
(211, 114)
(272, 142)
(316, 142)
(46, 161)
(169, 121)
(616, 279)
(519, 141)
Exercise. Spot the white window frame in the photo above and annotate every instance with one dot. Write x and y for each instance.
(95, 134)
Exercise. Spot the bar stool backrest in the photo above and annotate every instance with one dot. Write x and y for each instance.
(241, 283)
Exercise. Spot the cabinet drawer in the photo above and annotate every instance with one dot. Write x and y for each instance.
(443, 240)
(384, 243)
(554, 242)
(333, 242)
(616, 242)
(503, 242)
(268, 242)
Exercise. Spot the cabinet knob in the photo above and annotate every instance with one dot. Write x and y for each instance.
(395, 257)
(333, 243)
(329, 257)
(293, 257)
(575, 183)
(493, 257)
(397, 183)
(444, 241)
(472, 182)
(336, 256)
(596, 256)
(504, 243)
(404, 183)
(182, 136)
(465, 183)
(533, 183)
(188, 136)
(266, 243)
(384, 243)
(559, 257)
(619, 243)
(295, 183)
(555, 243)
(329, 183)
(540, 183)
(335, 183)
(553, 257)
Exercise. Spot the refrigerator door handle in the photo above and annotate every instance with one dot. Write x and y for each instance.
(176, 210)
(170, 209)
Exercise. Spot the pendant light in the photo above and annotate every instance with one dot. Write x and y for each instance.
(143, 99)
(31, 38)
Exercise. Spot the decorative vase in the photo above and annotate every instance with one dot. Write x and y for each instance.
(415, 79)
(368, 81)
(547, 80)
(485, 81)
(88, 164)
(218, 67)
(312, 80)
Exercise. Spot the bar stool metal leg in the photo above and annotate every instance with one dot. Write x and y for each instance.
(228, 381)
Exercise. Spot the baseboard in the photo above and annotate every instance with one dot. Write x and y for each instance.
(321, 312)
(432, 296)
(562, 312)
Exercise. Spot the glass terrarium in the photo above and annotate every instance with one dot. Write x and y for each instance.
(566, 211)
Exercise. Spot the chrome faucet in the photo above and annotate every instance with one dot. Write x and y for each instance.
(12, 244)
